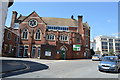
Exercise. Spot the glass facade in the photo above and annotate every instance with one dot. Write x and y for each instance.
(104, 39)
(104, 43)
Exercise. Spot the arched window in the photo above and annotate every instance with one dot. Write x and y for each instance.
(9, 35)
(87, 42)
(50, 37)
(63, 38)
(25, 34)
(38, 34)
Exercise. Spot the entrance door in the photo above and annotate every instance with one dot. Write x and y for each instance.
(63, 53)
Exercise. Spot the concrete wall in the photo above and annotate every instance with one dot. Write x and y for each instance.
(3, 15)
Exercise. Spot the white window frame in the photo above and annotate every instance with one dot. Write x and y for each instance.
(37, 34)
(32, 22)
(50, 37)
(24, 51)
(26, 32)
(39, 51)
(63, 38)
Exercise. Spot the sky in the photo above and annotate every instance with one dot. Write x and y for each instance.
(102, 17)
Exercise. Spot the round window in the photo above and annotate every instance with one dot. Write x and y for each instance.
(33, 23)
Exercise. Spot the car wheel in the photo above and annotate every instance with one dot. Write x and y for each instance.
(100, 70)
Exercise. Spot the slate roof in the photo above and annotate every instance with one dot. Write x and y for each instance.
(22, 18)
(58, 21)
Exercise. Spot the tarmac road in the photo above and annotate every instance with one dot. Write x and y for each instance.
(65, 69)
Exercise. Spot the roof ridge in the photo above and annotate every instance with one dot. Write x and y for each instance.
(57, 17)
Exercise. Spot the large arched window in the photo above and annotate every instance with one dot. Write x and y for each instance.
(63, 37)
(50, 37)
(25, 33)
(38, 34)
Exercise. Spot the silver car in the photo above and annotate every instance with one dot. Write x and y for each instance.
(96, 57)
(109, 63)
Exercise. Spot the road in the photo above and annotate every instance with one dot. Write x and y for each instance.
(67, 69)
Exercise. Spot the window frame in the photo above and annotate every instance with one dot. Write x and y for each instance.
(24, 35)
(37, 35)
(50, 37)
(63, 38)
(31, 21)
(9, 36)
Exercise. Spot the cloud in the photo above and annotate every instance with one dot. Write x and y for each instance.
(109, 20)
(116, 33)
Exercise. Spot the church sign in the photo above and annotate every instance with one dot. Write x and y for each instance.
(76, 47)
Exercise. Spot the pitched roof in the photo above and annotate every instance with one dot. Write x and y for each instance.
(10, 29)
(21, 18)
(59, 21)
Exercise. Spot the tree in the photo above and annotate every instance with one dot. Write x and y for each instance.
(111, 52)
(92, 52)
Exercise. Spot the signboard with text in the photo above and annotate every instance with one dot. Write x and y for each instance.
(76, 47)
(47, 53)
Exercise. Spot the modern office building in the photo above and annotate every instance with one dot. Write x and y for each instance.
(93, 45)
(106, 44)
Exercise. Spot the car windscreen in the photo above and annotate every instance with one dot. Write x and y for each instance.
(96, 56)
(111, 59)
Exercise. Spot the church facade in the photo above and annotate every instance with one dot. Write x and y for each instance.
(51, 38)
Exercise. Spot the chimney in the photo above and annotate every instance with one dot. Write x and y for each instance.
(80, 25)
(14, 18)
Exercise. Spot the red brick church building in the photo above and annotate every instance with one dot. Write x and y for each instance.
(51, 38)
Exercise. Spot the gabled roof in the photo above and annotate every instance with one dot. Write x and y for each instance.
(60, 21)
(22, 18)
(57, 21)
(10, 29)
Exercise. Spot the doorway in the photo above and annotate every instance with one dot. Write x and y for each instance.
(63, 53)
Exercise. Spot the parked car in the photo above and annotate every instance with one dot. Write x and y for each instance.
(109, 63)
(96, 57)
